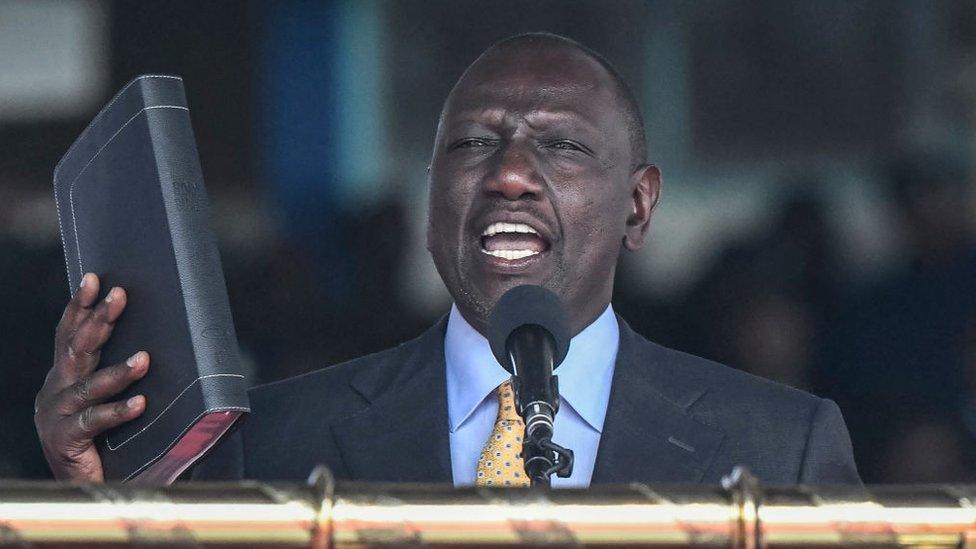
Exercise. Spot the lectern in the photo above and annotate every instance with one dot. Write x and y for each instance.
(326, 514)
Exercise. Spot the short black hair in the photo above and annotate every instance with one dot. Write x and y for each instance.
(628, 101)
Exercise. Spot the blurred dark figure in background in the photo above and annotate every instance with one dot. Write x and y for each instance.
(286, 319)
(895, 359)
(762, 305)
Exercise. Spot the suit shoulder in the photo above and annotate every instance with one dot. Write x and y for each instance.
(328, 378)
(281, 410)
(727, 388)
(371, 373)
(769, 427)
(736, 381)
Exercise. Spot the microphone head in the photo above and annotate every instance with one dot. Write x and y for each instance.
(522, 305)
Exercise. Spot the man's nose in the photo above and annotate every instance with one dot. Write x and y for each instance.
(516, 176)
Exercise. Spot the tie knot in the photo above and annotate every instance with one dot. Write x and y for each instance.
(506, 402)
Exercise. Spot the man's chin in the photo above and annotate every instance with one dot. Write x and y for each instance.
(482, 279)
(492, 281)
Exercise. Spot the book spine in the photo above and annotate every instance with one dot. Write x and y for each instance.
(198, 262)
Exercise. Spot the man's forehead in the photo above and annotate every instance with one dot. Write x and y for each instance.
(546, 84)
(539, 69)
(542, 95)
(529, 93)
(533, 88)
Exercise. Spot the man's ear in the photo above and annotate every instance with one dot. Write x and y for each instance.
(646, 185)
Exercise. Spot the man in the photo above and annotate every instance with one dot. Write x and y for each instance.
(538, 176)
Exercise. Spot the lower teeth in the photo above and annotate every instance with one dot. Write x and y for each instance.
(510, 254)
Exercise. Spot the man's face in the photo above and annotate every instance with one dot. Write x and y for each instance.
(531, 182)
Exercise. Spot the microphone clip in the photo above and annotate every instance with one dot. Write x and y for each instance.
(541, 456)
(563, 464)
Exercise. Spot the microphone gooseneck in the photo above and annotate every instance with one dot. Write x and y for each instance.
(529, 336)
(530, 349)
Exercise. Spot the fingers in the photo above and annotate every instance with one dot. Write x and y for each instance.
(86, 295)
(79, 307)
(94, 420)
(81, 351)
(68, 420)
(102, 385)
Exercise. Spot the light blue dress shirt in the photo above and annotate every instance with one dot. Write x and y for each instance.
(584, 386)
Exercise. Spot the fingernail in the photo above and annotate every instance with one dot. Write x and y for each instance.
(84, 280)
(131, 361)
(133, 402)
(111, 296)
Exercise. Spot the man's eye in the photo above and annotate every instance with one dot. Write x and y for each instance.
(470, 143)
(566, 146)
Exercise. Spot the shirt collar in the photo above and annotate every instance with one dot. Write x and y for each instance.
(584, 377)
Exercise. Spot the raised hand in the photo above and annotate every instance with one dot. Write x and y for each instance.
(72, 407)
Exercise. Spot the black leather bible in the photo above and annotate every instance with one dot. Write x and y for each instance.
(132, 209)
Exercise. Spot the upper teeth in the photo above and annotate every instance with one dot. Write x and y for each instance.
(495, 228)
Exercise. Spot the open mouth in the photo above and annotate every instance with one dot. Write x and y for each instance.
(512, 241)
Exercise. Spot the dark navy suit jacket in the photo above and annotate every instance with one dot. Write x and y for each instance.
(672, 417)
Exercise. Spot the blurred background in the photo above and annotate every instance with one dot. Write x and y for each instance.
(816, 225)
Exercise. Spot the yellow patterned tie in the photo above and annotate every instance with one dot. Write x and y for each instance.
(501, 463)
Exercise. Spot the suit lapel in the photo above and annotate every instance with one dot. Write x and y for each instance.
(403, 434)
(648, 435)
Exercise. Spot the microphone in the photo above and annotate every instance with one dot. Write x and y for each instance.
(529, 336)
